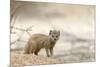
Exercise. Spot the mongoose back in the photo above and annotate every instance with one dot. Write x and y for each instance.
(38, 41)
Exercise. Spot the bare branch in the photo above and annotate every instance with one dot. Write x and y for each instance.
(24, 30)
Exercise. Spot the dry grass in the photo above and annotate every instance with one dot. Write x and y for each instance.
(29, 59)
(77, 55)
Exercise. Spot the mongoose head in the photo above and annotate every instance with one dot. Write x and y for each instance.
(54, 35)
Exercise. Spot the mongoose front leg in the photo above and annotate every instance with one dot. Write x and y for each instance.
(51, 51)
(47, 52)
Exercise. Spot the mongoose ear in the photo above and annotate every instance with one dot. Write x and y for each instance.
(50, 32)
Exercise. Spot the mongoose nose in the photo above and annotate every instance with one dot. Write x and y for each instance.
(54, 39)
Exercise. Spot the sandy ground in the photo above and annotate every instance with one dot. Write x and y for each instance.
(75, 56)
(22, 59)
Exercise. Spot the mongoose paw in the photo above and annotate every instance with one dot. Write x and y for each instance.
(48, 55)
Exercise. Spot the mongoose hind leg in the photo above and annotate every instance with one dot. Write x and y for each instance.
(36, 51)
(26, 50)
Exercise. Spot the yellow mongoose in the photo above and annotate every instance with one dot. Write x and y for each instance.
(38, 41)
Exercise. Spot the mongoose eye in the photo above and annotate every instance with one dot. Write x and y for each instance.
(56, 36)
(52, 35)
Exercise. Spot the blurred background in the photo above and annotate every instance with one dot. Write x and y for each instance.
(75, 22)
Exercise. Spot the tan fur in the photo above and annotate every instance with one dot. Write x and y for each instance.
(38, 41)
